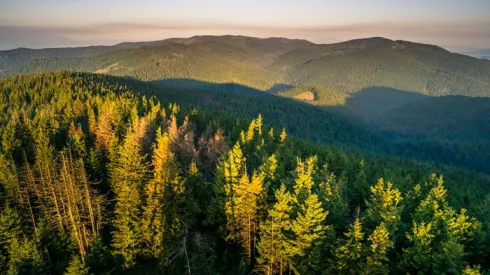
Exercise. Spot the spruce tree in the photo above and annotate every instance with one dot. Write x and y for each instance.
(274, 243)
(308, 227)
(379, 244)
(349, 254)
(384, 206)
(76, 267)
(128, 177)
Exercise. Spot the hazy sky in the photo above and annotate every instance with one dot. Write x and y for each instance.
(452, 24)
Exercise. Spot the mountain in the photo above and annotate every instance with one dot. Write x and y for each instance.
(478, 53)
(346, 67)
(21, 56)
(364, 78)
(372, 94)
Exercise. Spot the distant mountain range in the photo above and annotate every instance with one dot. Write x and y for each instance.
(478, 53)
(389, 84)
(346, 67)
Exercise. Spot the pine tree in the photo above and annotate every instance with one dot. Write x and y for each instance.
(246, 202)
(99, 258)
(304, 182)
(418, 257)
(153, 210)
(359, 186)
(9, 180)
(76, 267)
(10, 229)
(274, 243)
(24, 258)
(471, 270)
(383, 206)
(442, 242)
(380, 243)
(308, 227)
(231, 173)
(349, 254)
(283, 135)
(128, 177)
(332, 195)
(165, 210)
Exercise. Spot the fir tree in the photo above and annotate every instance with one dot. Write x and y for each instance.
(383, 206)
(274, 243)
(349, 254)
(380, 243)
(76, 267)
(308, 227)
(129, 176)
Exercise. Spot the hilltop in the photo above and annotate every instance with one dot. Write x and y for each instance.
(346, 67)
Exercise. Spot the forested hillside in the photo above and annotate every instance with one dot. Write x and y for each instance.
(97, 176)
(346, 67)
(391, 85)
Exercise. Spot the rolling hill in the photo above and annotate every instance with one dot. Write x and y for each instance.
(365, 76)
(374, 94)
(346, 67)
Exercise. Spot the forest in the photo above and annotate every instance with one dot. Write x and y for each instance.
(96, 178)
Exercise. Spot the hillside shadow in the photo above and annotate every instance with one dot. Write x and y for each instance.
(365, 105)
(371, 103)
(324, 124)
(279, 87)
(302, 119)
(375, 109)
(190, 84)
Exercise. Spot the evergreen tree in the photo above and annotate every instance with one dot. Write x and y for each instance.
(153, 213)
(383, 206)
(274, 242)
(359, 186)
(232, 171)
(471, 270)
(418, 257)
(128, 177)
(283, 135)
(10, 229)
(349, 254)
(246, 200)
(377, 260)
(76, 267)
(99, 259)
(308, 227)
(24, 258)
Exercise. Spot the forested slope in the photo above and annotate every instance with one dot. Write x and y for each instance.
(95, 178)
(346, 67)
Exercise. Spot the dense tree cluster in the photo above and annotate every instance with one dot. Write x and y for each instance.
(97, 180)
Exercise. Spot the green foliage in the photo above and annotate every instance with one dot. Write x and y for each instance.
(207, 193)
(129, 176)
(349, 254)
(383, 206)
(76, 267)
(10, 230)
(24, 258)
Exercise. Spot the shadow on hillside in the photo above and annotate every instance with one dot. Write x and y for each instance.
(325, 124)
(279, 87)
(371, 103)
(191, 84)
(368, 103)
(387, 109)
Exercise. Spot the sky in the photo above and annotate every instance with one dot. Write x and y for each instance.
(453, 24)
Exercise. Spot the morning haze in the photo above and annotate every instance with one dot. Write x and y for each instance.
(55, 23)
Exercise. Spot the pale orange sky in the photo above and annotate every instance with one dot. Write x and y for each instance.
(54, 23)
